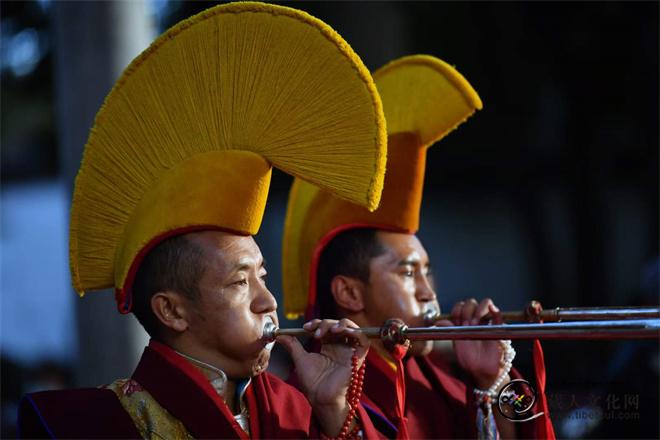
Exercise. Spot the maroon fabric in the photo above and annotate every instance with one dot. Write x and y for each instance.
(277, 410)
(438, 404)
(279, 424)
(373, 423)
(283, 410)
(82, 413)
(181, 396)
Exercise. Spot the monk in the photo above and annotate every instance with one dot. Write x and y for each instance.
(343, 261)
(203, 373)
(172, 186)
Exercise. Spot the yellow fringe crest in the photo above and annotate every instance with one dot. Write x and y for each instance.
(424, 99)
(425, 95)
(242, 76)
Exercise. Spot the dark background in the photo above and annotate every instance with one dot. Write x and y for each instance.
(549, 193)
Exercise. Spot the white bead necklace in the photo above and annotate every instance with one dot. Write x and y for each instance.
(486, 427)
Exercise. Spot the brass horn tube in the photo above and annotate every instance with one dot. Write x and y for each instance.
(588, 330)
(603, 313)
(561, 314)
(371, 332)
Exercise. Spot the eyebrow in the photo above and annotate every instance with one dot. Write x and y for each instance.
(242, 265)
(410, 261)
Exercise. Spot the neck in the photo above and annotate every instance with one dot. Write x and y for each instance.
(190, 346)
(225, 387)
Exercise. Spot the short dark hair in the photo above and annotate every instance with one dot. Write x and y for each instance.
(177, 264)
(349, 254)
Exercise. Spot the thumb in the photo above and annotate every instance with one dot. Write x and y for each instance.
(293, 346)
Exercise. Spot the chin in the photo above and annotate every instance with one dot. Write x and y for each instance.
(261, 362)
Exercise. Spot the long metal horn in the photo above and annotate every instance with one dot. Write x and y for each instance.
(395, 331)
(534, 312)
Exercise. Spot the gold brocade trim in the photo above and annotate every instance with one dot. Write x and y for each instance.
(152, 420)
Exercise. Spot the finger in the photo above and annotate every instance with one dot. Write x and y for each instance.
(339, 326)
(496, 314)
(443, 323)
(311, 325)
(482, 310)
(360, 340)
(350, 331)
(323, 327)
(337, 335)
(456, 312)
(292, 346)
(468, 311)
(348, 323)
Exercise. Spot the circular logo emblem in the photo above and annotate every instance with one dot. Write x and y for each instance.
(516, 399)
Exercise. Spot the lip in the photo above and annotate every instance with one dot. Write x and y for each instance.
(268, 319)
(429, 309)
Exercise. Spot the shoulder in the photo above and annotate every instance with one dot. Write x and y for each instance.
(85, 412)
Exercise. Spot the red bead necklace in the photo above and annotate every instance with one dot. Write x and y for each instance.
(353, 398)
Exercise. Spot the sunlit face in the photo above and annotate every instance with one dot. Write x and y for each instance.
(399, 284)
(226, 323)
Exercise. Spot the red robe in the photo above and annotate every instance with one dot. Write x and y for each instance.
(438, 404)
(276, 409)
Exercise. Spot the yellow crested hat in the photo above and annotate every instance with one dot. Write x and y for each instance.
(187, 138)
(423, 99)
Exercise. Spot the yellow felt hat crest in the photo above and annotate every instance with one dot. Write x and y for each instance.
(423, 99)
(187, 137)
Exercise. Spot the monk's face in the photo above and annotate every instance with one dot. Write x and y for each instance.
(399, 284)
(226, 322)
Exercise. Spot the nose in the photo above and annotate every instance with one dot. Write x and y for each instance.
(264, 301)
(424, 291)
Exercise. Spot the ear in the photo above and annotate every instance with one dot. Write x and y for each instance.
(348, 293)
(170, 310)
